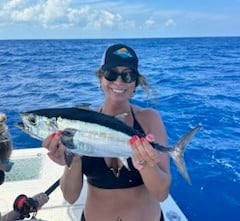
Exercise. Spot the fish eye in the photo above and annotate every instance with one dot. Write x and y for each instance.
(32, 120)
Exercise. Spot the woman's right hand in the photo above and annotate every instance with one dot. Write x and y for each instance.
(56, 148)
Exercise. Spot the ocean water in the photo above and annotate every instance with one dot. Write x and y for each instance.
(193, 80)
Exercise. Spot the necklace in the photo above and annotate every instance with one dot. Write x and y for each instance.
(120, 115)
(115, 167)
(116, 171)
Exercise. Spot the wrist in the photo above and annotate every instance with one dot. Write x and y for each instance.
(75, 160)
(147, 167)
(70, 158)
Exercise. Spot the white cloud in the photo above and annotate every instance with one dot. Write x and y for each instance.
(43, 11)
(77, 16)
(150, 22)
(60, 13)
(97, 16)
(67, 13)
(25, 15)
(12, 4)
(54, 10)
(91, 18)
(170, 22)
(104, 18)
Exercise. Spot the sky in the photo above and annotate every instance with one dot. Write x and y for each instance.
(89, 19)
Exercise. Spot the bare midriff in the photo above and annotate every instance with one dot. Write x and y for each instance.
(129, 204)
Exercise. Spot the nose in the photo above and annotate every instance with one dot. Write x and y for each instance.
(119, 80)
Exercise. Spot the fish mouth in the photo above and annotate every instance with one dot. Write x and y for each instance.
(20, 125)
(25, 129)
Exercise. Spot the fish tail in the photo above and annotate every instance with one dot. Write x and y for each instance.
(177, 154)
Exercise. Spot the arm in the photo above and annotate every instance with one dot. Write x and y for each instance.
(156, 170)
(72, 179)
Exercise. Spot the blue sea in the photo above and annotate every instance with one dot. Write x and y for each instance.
(194, 81)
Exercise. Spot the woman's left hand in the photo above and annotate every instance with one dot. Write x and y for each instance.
(143, 152)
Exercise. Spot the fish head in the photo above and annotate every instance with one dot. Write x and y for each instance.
(37, 125)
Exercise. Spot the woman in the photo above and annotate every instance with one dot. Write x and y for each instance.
(114, 192)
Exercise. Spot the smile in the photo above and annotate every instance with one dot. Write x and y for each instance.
(118, 91)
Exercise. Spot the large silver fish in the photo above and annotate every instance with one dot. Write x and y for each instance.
(90, 133)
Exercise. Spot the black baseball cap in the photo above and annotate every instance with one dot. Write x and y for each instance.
(120, 55)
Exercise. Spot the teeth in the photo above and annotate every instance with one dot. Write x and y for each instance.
(118, 91)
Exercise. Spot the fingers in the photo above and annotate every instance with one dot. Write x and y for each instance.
(143, 151)
(150, 137)
(136, 146)
(152, 156)
(55, 147)
(52, 141)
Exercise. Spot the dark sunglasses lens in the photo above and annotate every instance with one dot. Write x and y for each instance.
(110, 75)
(129, 77)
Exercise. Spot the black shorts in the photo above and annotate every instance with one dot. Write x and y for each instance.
(83, 217)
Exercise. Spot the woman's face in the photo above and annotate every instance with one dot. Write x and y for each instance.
(118, 90)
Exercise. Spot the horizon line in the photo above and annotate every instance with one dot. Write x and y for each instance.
(123, 38)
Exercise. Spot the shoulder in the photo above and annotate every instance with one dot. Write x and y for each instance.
(149, 119)
(146, 113)
(151, 122)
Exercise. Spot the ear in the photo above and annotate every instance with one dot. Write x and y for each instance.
(133, 92)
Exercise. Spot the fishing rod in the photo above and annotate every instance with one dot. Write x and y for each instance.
(52, 187)
(25, 205)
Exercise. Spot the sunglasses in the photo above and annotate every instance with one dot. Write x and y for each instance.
(126, 76)
(8, 164)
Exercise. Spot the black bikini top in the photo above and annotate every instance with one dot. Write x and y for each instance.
(99, 175)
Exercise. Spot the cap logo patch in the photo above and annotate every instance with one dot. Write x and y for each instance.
(123, 53)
